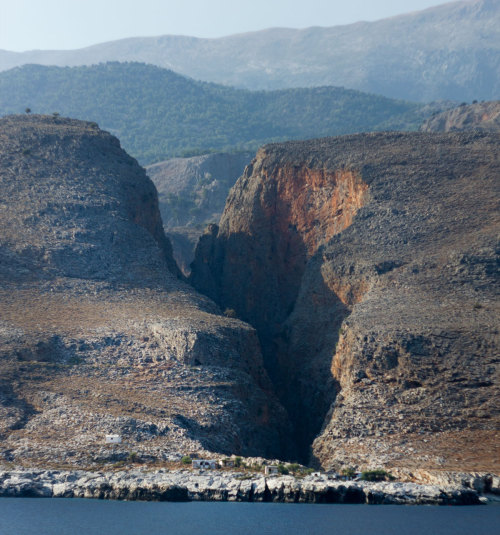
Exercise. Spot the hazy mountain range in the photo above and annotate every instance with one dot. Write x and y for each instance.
(159, 114)
(445, 52)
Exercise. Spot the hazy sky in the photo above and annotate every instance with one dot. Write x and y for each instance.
(66, 24)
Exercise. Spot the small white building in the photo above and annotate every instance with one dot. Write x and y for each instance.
(270, 470)
(113, 439)
(204, 464)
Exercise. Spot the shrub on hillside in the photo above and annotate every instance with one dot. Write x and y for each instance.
(377, 475)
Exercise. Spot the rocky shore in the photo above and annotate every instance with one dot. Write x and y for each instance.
(185, 485)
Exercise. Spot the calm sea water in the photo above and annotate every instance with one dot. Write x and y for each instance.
(30, 516)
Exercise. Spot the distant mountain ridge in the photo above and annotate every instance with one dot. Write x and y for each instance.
(158, 114)
(451, 51)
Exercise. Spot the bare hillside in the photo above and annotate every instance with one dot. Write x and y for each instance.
(97, 333)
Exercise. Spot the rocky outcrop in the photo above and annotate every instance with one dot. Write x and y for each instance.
(192, 193)
(184, 485)
(369, 265)
(483, 483)
(484, 116)
(270, 227)
(97, 333)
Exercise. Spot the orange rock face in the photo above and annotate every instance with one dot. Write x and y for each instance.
(368, 265)
(284, 215)
(273, 224)
(315, 202)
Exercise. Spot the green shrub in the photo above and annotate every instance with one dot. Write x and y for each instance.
(293, 467)
(186, 460)
(348, 472)
(377, 475)
(282, 469)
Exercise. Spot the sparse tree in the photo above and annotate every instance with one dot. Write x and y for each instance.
(348, 472)
(283, 470)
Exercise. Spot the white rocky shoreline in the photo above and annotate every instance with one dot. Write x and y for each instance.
(186, 485)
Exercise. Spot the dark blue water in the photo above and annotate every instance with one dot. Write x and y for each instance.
(32, 516)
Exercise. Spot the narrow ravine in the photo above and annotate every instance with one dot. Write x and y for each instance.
(254, 265)
(366, 265)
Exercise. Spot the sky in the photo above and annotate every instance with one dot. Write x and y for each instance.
(70, 24)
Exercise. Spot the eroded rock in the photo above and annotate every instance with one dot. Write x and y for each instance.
(186, 486)
(97, 333)
(369, 266)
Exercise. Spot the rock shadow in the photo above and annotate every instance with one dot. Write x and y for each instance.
(273, 285)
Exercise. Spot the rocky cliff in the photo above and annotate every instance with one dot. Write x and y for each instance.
(97, 333)
(484, 116)
(192, 193)
(369, 266)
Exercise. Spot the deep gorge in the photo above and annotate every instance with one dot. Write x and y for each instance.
(366, 265)
(314, 231)
(299, 210)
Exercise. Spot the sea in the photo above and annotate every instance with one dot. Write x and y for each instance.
(39, 516)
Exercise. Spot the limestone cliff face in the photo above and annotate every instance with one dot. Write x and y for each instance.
(97, 333)
(484, 116)
(277, 217)
(369, 265)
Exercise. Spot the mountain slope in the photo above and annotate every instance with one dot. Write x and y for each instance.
(158, 114)
(191, 194)
(97, 334)
(447, 52)
(483, 116)
(369, 266)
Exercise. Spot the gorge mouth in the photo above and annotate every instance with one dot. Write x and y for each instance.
(256, 268)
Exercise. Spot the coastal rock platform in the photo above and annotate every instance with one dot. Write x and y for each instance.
(184, 485)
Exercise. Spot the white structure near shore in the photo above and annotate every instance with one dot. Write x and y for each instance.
(270, 470)
(113, 439)
(207, 464)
